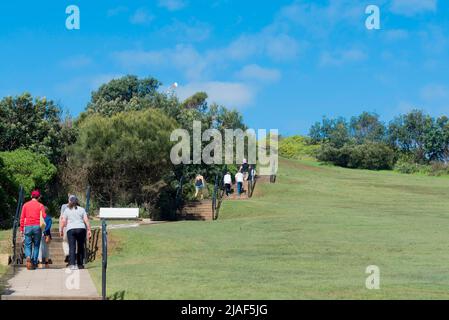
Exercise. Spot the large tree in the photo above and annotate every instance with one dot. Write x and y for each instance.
(409, 132)
(125, 158)
(34, 124)
(128, 93)
(367, 127)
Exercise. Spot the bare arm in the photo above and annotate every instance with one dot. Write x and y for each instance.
(87, 223)
(62, 224)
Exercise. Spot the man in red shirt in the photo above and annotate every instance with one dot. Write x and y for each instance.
(30, 227)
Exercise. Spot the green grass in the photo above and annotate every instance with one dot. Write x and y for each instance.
(5, 243)
(310, 236)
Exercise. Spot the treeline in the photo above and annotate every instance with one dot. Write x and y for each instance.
(410, 142)
(120, 146)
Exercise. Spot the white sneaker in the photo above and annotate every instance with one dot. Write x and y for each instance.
(73, 268)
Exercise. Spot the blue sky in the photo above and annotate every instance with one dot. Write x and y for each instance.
(283, 64)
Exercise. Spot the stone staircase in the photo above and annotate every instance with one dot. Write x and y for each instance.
(197, 210)
(202, 210)
(235, 196)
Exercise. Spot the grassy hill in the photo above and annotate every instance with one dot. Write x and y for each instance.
(310, 236)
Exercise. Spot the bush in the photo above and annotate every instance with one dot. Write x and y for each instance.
(124, 158)
(438, 169)
(372, 156)
(297, 147)
(8, 189)
(406, 164)
(28, 169)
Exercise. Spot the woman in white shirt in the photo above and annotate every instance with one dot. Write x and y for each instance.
(75, 220)
(227, 180)
(239, 180)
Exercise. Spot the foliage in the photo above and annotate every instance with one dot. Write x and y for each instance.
(371, 155)
(125, 158)
(35, 125)
(125, 94)
(28, 169)
(7, 202)
(332, 131)
(297, 147)
(367, 128)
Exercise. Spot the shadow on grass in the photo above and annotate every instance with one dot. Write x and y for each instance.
(119, 295)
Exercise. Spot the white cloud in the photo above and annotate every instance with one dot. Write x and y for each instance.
(193, 31)
(319, 18)
(116, 11)
(413, 7)
(141, 16)
(342, 57)
(256, 72)
(396, 34)
(231, 94)
(75, 62)
(185, 58)
(434, 93)
(78, 84)
(172, 5)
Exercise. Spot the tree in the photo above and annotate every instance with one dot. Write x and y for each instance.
(333, 131)
(28, 169)
(367, 128)
(8, 191)
(197, 101)
(125, 157)
(128, 93)
(34, 124)
(408, 133)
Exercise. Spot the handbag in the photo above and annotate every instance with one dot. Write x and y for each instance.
(42, 223)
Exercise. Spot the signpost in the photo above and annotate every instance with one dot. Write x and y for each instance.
(105, 214)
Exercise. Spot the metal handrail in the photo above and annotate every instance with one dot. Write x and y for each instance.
(16, 224)
(214, 198)
(179, 193)
(251, 185)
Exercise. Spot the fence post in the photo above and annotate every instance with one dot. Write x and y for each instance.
(15, 224)
(104, 258)
(86, 253)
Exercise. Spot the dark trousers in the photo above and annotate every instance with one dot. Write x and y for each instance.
(76, 237)
(228, 189)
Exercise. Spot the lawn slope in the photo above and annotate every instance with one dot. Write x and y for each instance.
(310, 236)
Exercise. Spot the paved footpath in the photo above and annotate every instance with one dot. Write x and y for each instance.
(50, 284)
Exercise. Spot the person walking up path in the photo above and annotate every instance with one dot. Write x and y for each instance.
(44, 252)
(239, 178)
(77, 223)
(200, 184)
(227, 180)
(65, 242)
(30, 227)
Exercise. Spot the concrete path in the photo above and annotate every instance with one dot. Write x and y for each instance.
(50, 284)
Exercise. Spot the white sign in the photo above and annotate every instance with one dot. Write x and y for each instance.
(119, 213)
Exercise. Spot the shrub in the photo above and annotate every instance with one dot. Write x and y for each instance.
(28, 169)
(372, 156)
(438, 169)
(297, 147)
(407, 165)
